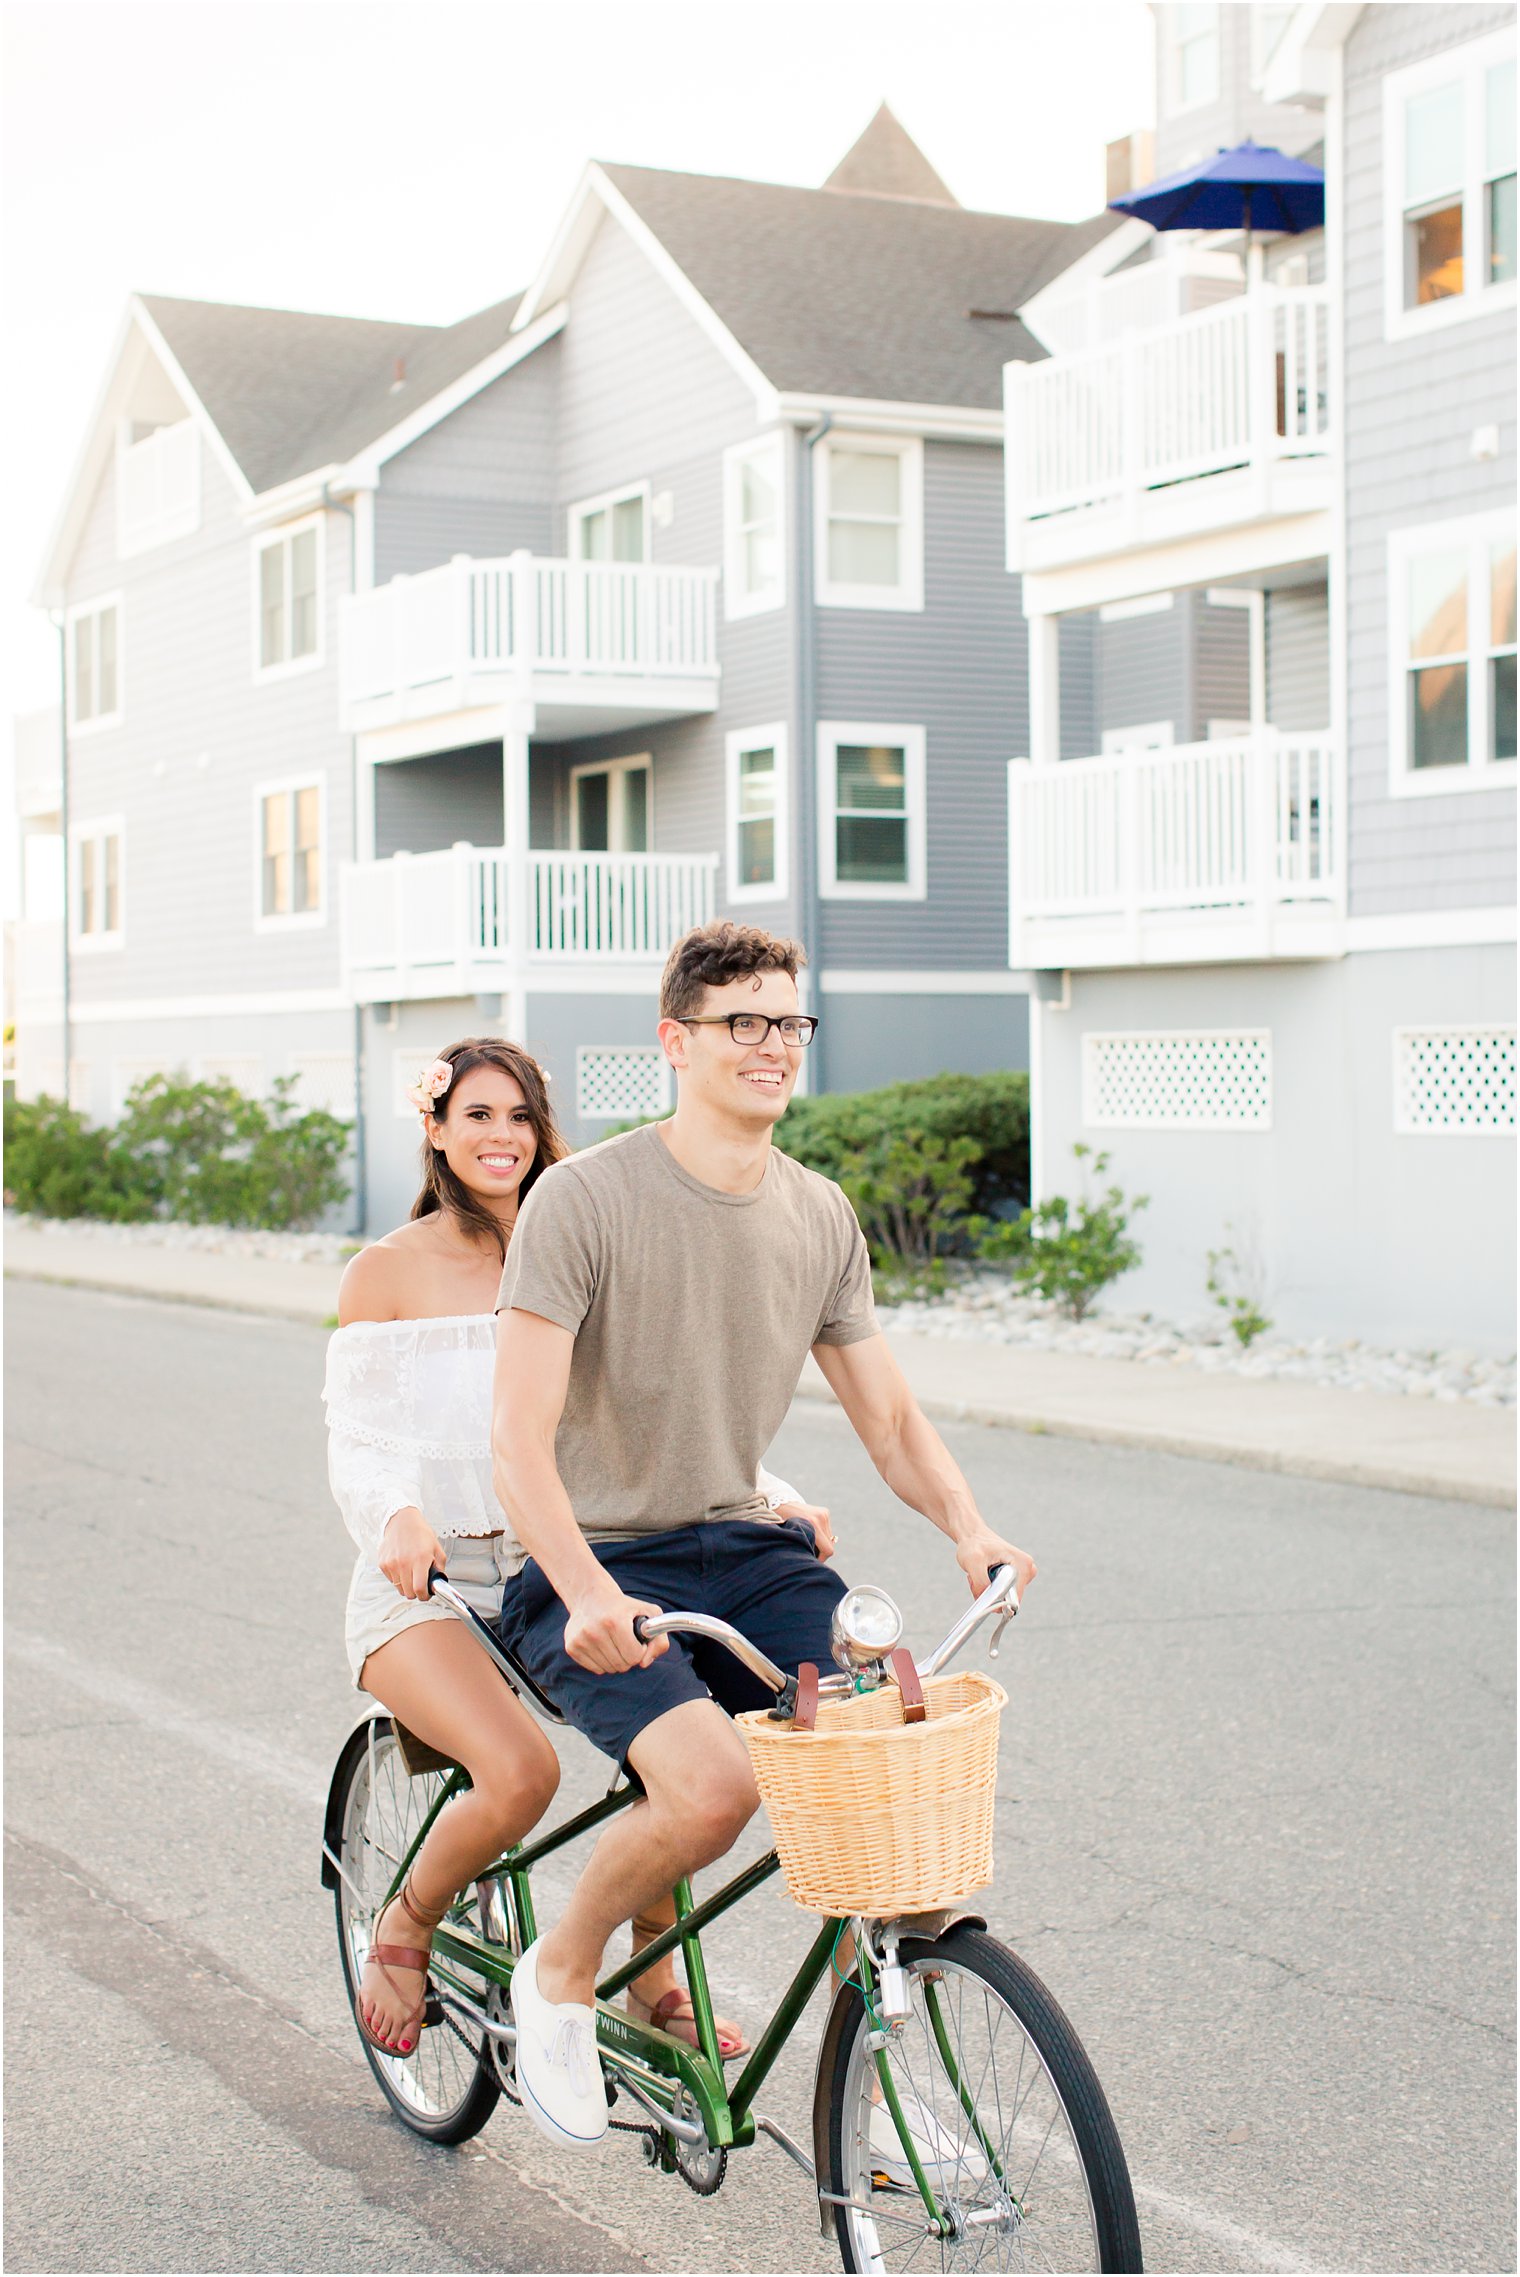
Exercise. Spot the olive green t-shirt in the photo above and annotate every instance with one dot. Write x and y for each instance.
(692, 1313)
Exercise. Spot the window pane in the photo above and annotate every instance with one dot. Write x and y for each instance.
(871, 851)
(1501, 595)
(105, 661)
(1198, 70)
(757, 782)
(303, 594)
(1433, 256)
(864, 482)
(88, 914)
(1502, 706)
(1501, 230)
(84, 667)
(307, 879)
(1438, 604)
(277, 854)
(1433, 143)
(596, 536)
(1499, 122)
(591, 813)
(110, 854)
(628, 530)
(272, 605)
(1438, 716)
(757, 490)
(872, 777)
(762, 558)
(863, 553)
(757, 852)
(635, 810)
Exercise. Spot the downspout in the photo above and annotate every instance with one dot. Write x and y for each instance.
(805, 770)
(361, 1149)
(63, 824)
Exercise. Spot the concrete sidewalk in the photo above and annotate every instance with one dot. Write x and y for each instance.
(1454, 1450)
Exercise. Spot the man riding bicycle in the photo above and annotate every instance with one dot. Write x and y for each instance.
(660, 1295)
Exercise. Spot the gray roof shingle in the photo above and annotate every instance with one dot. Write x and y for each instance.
(887, 163)
(839, 292)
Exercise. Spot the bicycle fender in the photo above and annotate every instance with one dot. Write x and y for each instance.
(828, 2047)
(332, 1815)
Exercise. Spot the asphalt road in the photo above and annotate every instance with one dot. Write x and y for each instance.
(1255, 1832)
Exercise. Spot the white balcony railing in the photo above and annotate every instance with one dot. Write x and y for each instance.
(469, 622)
(1125, 859)
(1103, 309)
(440, 924)
(1240, 384)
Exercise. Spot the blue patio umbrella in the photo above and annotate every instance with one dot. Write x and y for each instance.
(1250, 187)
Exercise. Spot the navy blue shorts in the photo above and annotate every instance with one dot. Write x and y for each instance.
(763, 1577)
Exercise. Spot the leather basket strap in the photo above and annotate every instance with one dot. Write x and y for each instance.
(805, 1714)
(909, 1685)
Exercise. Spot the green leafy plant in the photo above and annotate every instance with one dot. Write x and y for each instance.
(1069, 1252)
(1234, 1283)
(58, 1166)
(911, 1193)
(840, 1132)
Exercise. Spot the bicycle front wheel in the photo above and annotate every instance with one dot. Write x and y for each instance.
(447, 2088)
(1005, 2120)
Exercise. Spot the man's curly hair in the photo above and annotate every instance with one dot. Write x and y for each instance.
(712, 955)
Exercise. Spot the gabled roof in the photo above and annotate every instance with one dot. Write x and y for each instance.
(847, 293)
(887, 163)
(289, 393)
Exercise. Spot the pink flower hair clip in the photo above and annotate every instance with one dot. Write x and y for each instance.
(430, 1086)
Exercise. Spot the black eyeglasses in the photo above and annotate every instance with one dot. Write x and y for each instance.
(797, 1028)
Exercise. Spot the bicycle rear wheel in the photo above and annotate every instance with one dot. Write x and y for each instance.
(447, 2088)
(1008, 2123)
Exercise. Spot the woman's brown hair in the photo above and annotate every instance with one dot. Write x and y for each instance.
(441, 1189)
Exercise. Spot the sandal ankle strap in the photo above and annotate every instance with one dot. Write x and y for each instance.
(426, 1916)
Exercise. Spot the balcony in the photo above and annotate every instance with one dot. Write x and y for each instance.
(1215, 420)
(596, 646)
(433, 925)
(1204, 854)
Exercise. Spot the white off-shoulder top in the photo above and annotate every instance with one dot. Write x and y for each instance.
(409, 1425)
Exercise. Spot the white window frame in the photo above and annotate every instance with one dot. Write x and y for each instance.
(636, 761)
(82, 613)
(1455, 65)
(289, 920)
(91, 833)
(1263, 49)
(772, 739)
(284, 536)
(163, 526)
(596, 505)
(912, 740)
(1477, 532)
(908, 593)
(1175, 44)
(737, 601)
(1151, 735)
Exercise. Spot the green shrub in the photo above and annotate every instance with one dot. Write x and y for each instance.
(1234, 1283)
(202, 1152)
(910, 1193)
(839, 1133)
(1069, 1253)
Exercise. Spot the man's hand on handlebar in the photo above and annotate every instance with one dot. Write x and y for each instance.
(599, 1632)
(409, 1552)
(980, 1555)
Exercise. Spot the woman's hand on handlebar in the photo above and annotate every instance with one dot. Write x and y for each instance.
(599, 1632)
(981, 1555)
(409, 1551)
(814, 1516)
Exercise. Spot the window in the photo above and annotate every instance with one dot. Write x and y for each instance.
(1195, 30)
(869, 513)
(288, 588)
(1452, 626)
(611, 804)
(612, 528)
(759, 815)
(1267, 27)
(871, 791)
(158, 484)
(95, 665)
(1178, 1079)
(96, 916)
(290, 854)
(1449, 139)
(754, 572)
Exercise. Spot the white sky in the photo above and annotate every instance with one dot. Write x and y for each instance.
(412, 160)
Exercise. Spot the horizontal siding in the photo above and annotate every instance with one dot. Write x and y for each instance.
(424, 804)
(1221, 665)
(1411, 407)
(1298, 657)
(481, 482)
(1143, 673)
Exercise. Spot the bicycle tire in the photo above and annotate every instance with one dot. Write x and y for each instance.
(447, 2089)
(979, 2162)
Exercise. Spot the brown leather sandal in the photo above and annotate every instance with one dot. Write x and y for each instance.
(673, 2011)
(416, 1957)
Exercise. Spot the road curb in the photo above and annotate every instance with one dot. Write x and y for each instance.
(308, 1316)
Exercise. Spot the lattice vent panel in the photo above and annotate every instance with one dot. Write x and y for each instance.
(615, 1084)
(1181, 1079)
(1454, 1079)
(245, 1070)
(324, 1080)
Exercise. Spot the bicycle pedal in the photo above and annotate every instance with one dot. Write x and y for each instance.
(432, 2009)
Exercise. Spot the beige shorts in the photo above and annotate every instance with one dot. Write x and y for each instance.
(477, 1564)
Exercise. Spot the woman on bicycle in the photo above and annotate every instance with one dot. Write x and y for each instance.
(408, 1396)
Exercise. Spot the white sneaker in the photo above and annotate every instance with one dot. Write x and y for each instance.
(949, 2161)
(558, 2073)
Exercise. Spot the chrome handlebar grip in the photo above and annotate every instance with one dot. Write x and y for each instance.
(1000, 1596)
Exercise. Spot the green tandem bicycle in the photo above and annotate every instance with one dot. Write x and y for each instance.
(957, 2121)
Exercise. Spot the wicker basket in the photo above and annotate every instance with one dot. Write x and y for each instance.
(872, 1815)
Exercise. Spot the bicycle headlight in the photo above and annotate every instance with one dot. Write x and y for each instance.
(865, 1628)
